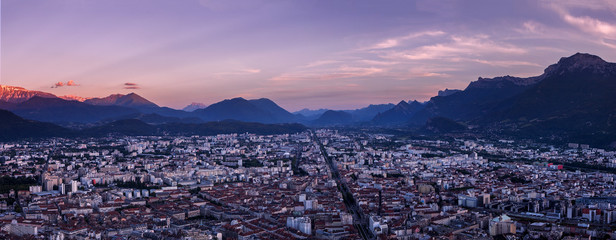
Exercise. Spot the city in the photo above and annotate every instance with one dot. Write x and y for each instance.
(307, 119)
(325, 184)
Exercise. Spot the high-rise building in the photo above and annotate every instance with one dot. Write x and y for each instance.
(73, 186)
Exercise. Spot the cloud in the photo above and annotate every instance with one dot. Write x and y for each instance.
(70, 83)
(605, 31)
(378, 62)
(397, 41)
(251, 70)
(57, 85)
(498, 63)
(130, 85)
(457, 47)
(531, 27)
(338, 73)
(415, 74)
(590, 25)
(321, 63)
(244, 71)
(598, 5)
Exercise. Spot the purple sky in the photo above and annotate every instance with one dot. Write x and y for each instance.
(314, 54)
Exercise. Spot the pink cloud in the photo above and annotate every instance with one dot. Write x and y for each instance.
(70, 83)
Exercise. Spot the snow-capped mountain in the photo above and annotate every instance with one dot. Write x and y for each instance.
(18, 94)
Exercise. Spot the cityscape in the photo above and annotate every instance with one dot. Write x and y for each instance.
(324, 184)
(336, 120)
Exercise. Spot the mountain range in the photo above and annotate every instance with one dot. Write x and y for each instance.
(356, 115)
(571, 100)
(74, 110)
(13, 127)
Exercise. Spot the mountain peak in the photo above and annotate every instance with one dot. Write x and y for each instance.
(400, 113)
(499, 82)
(333, 117)
(194, 106)
(260, 110)
(237, 99)
(128, 100)
(580, 62)
(73, 98)
(582, 58)
(402, 103)
(447, 92)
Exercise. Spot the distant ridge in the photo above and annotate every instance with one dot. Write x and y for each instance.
(63, 111)
(333, 118)
(399, 114)
(573, 100)
(128, 100)
(194, 106)
(258, 110)
(14, 127)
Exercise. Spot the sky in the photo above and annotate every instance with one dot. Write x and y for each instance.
(301, 54)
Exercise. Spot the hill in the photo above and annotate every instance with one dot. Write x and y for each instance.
(13, 127)
(331, 118)
(399, 114)
(259, 110)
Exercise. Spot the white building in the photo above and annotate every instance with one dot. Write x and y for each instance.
(23, 227)
(36, 189)
(303, 224)
(73, 186)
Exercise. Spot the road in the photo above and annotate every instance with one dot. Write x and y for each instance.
(360, 221)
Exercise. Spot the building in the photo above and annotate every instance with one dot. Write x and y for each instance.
(467, 201)
(23, 227)
(73, 186)
(303, 224)
(502, 225)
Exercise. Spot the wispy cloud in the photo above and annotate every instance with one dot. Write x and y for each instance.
(130, 85)
(597, 5)
(372, 62)
(505, 63)
(531, 27)
(244, 71)
(458, 46)
(397, 41)
(251, 70)
(603, 30)
(321, 63)
(338, 73)
(415, 74)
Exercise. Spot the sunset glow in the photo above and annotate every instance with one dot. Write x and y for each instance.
(301, 54)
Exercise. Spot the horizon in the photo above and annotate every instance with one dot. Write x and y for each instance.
(332, 55)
